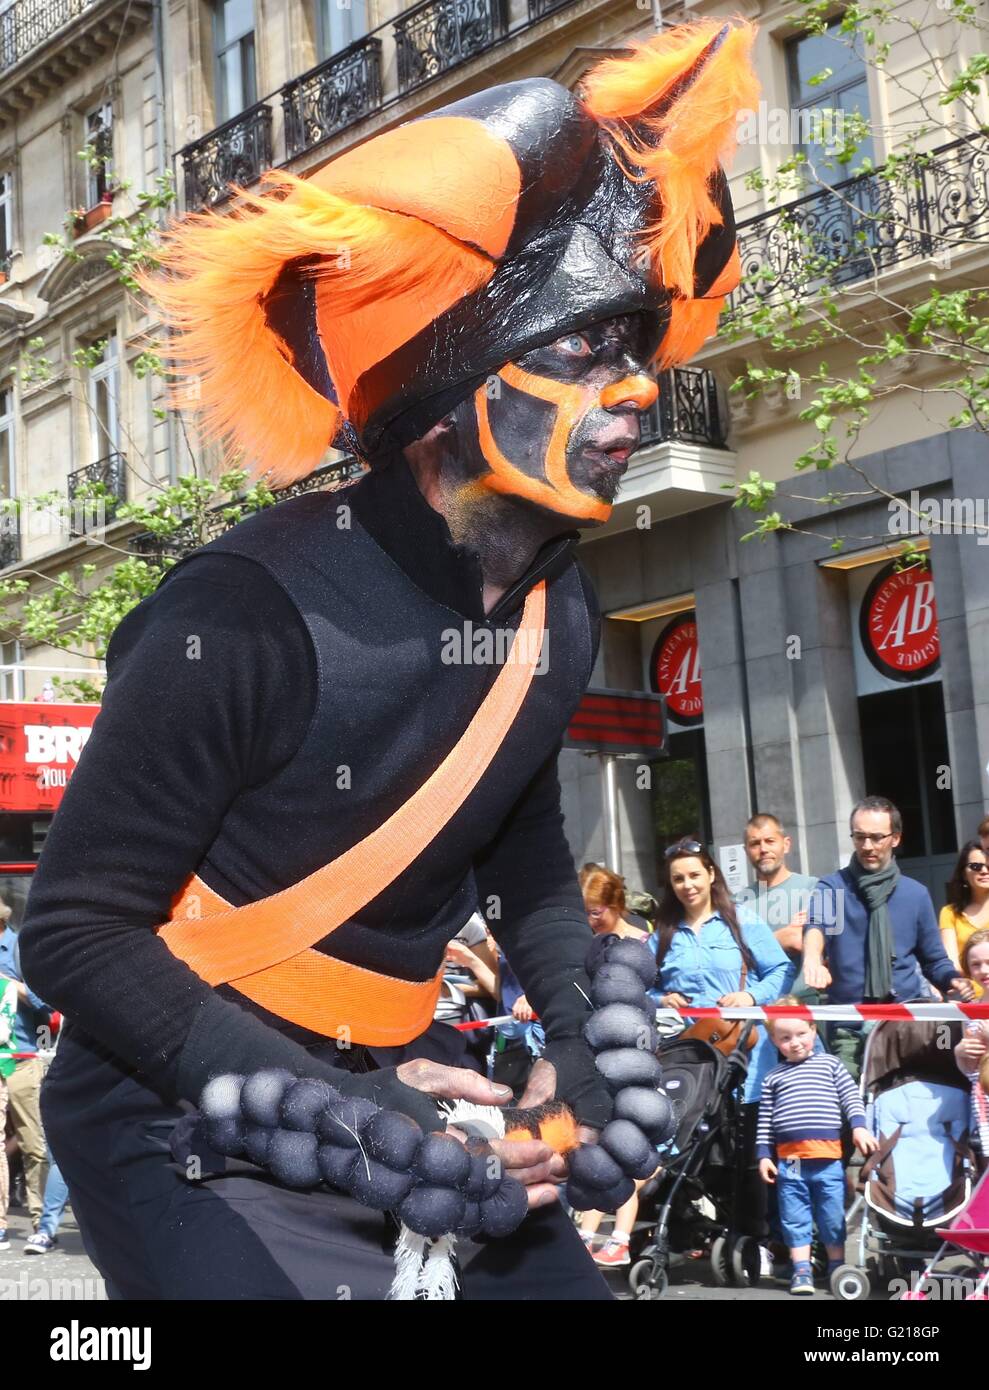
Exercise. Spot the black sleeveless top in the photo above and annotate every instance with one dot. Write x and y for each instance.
(282, 692)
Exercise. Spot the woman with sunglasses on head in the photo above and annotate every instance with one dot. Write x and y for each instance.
(967, 908)
(709, 952)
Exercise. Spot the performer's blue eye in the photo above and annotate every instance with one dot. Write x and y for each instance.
(576, 344)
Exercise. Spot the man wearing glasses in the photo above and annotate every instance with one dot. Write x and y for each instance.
(876, 927)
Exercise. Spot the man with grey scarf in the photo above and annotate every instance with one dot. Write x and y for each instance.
(877, 928)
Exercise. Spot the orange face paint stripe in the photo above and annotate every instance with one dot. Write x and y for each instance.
(227, 946)
(558, 492)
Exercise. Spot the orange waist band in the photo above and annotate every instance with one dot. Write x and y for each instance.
(340, 1001)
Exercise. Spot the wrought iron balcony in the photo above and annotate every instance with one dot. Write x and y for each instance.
(188, 537)
(440, 34)
(866, 224)
(236, 152)
(26, 25)
(332, 96)
(429, 40)
(95, 491)
(687, 410)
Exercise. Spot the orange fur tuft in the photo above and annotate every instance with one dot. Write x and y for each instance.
(680, 147)
(560, 1132)
(552, 1122)
(377, 268)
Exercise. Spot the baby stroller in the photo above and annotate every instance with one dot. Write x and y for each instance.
(921, 1176)
(703, 1161)
(969, 1232)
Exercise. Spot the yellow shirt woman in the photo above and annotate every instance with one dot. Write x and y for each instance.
(956, 928)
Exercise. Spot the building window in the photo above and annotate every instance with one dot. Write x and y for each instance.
(338, 24)
(236, 82)
(11, 677)
(104, 398)
(8, 479)
(6, 219)
(99, 152)
(820, 106)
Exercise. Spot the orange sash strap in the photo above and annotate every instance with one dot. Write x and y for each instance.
(264, 949)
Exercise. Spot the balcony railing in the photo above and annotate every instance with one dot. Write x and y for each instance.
(237, 152)
(26, 25)
(332, 96)
(687, 410)
(441, 34)
(95, 491)
(418, 46)
(866, 224)
(189, 537)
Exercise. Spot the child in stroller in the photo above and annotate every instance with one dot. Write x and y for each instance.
(920, 1177)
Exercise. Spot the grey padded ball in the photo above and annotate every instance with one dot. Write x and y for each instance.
(292, 1158)
(433, 1211)
(343, 1121)
(629, 1066)
(376, 1185)
(651, 1110)
(620, 1025)
(442, 1161)
(336, 1166)
(630, 1148)
(226, 1136)
(392, 1138)
(593, 1167)
(304, 1101)
(220, 1099)
(261, 1098)
(616, 984)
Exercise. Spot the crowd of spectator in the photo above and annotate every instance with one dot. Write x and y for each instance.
(864, 933)
(25, 1021)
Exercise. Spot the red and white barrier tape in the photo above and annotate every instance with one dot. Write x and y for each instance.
(821, 1013)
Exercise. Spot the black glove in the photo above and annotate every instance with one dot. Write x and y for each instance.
(579, 1082)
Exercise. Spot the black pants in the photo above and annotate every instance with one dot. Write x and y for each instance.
(159, 1229)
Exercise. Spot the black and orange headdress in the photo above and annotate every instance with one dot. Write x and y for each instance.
(364, 302)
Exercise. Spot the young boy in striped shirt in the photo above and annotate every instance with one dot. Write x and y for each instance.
(800, 1114)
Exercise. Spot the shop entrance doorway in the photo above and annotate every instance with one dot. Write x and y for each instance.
(905, 752)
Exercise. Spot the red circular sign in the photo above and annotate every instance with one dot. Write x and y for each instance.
(675, 669)
(898, 623)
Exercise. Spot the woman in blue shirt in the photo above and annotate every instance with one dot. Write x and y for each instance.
(702, 942)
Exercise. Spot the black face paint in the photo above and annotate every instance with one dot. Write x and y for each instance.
(557, 427)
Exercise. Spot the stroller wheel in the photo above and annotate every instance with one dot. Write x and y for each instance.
(850, 1284)
(721, 1263)
(647, 1279)
(746, 1261)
